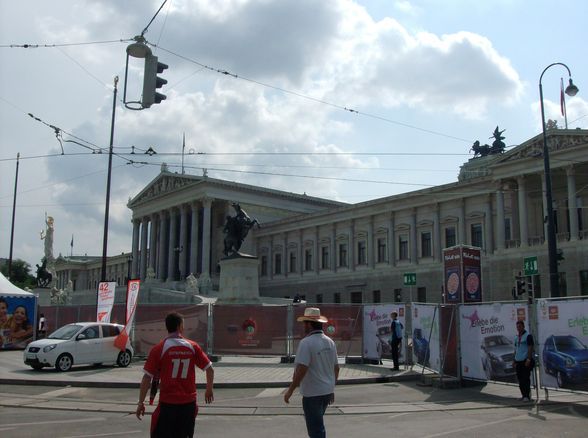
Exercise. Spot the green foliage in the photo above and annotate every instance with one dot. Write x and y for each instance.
(21, 274)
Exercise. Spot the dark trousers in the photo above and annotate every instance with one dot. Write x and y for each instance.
(174, 421)
(314, 409)
(524, 378)
(395, 346)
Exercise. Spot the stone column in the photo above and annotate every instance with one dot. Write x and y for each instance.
(488, 229)
(522, 204)
(500, 219)
(437, 250)
(144, 226)
(333, 255)
(270, 258)
(351, 252)
(162, 248)
(461, 230)
(315, 259)
(572, 203)
(135, 249)
(206, 235)
(194, 268)
(301, 262)
(413, 238)
(286, 258)
(183, 240)
(391, 241)
(371, 246)
(153, 242)
(171, 247)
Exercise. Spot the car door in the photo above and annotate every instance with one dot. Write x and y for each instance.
(108, 350)
(88, 345)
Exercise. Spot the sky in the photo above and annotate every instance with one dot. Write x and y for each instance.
(340, 99)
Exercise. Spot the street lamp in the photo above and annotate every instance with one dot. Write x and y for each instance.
(571, 90)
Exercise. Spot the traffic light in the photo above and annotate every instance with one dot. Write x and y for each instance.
(521, 286)
(151, 82)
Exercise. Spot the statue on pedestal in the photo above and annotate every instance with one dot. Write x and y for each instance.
(46, 271)
(236, 229)
(192, 285)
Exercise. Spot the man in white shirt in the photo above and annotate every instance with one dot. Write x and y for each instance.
(316, 372)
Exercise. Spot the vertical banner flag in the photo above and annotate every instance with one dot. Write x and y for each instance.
(105, 300)
(132, 297)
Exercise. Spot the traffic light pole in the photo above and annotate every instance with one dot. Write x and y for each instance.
(107, 207)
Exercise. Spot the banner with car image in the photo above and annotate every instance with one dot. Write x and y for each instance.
(377, 330)
(487, 339)
(562, 332)
(425, 336)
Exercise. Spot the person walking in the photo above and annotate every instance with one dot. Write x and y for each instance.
(396, 340)
(173, 361)
(523, 360)
(316, 372)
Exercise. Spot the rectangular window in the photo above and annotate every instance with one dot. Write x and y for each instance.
(476, 235)
(450, 237)
(308, 260)
(343, 255)
(263, 266)
(337, 297)
(563, 285)
(319, 298)
(292, 262)
(356, 298)
(426, 244)
(325, 264)
(397, 295)
(376, 296)
(278, 264)
(422, 294)
(403, 247)
(583, 282)
(381, 250)
(361, 253)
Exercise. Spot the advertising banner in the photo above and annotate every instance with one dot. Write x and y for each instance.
(17, 321)
(377, 330)
(561, 345)
(487, 334)
(472, 279)
(463, 279)
(453, 277)
(105, 300)
(132, 298)
(425, 336)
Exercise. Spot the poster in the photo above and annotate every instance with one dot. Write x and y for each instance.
(453, 278)
(425, 336)
(487, 334)
(17, 321)
(472, 279)
(132, 298)
(377, 322)
(463, 274)
(562, 328)
(105, 300)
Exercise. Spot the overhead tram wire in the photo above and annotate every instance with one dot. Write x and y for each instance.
(50, 46)
(314, 99)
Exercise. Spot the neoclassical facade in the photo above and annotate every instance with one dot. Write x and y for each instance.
(328, 251)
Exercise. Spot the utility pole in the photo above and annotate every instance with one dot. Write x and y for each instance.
(107, 207)
(13, 214)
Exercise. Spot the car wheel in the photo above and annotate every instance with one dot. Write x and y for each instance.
(124, 359)
(64, 362)
(37, 367)
(560, 379)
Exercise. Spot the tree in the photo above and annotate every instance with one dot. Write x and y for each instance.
(21, 274)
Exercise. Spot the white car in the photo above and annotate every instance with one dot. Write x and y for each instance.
(78, 343)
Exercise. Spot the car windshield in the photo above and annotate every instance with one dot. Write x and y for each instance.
(569, 343)
(496, 340)
(65, 332)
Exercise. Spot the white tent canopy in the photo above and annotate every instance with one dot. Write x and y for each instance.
(10, 290)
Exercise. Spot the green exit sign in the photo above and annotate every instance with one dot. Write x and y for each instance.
(530, 266)
(410, 279)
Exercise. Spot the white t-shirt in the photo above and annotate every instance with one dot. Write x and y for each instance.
(318, 352)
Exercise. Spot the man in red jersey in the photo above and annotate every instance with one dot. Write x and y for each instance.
(173, 360)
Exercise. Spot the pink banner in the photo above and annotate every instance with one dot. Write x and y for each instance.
(105, 300)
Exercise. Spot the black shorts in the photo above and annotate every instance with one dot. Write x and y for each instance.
(174, 421)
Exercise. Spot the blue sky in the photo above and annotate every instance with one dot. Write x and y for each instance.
(427, 78)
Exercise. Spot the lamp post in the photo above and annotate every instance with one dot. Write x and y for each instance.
(571, 90)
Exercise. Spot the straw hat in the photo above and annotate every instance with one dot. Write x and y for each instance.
(312, 314)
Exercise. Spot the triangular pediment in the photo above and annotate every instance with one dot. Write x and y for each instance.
(557, 140)
(162, 185)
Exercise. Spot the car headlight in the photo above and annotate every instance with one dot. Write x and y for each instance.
(570, 362)
(48, 348)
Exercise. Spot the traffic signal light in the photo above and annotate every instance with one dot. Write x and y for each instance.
(521, 286)
(151, 82)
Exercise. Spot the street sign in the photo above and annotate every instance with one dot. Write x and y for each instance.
(410, 278)
(530, 266)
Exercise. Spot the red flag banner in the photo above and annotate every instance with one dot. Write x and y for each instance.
(121, 340)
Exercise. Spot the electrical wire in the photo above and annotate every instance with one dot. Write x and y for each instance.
(44, 46)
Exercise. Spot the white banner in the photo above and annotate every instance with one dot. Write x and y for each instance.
(105, 300)
(487, 334)
(377, 331)
(132, 297)
(425, 335)
(562, 338)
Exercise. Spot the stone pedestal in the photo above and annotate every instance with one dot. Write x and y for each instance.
(239, 280)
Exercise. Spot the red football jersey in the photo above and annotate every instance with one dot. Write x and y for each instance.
(173, 360)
